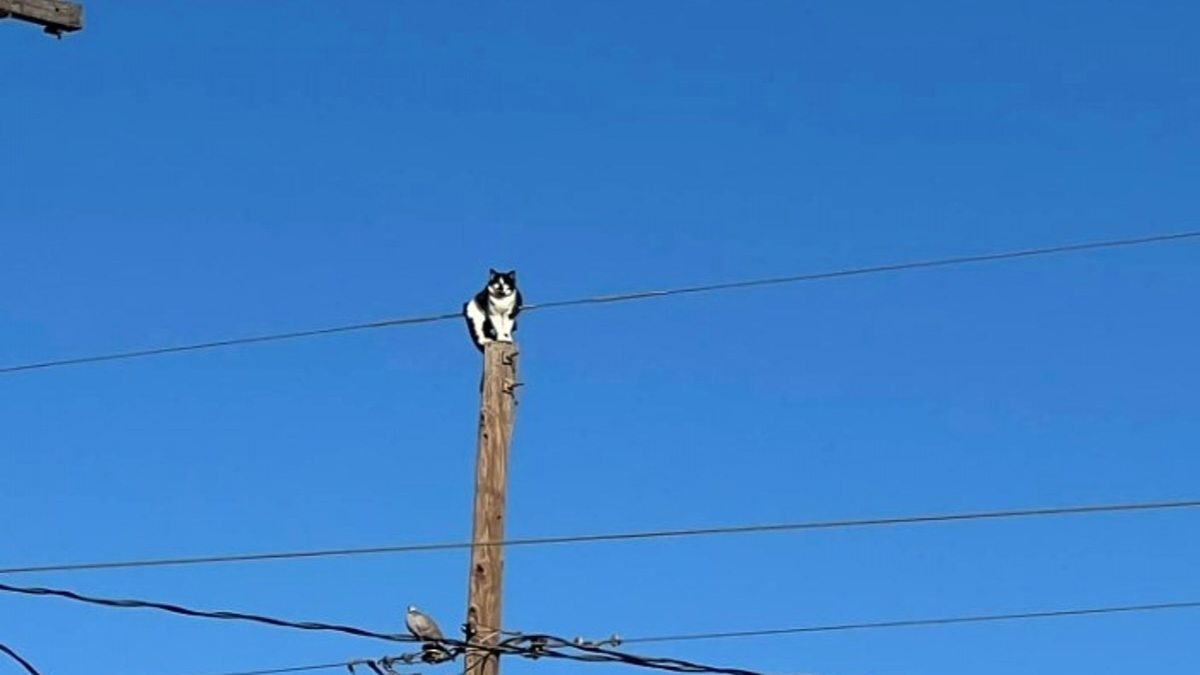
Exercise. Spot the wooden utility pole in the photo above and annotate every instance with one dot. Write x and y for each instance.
(54, 16)
(498, 403)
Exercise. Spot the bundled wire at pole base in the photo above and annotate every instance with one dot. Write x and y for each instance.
(290, 669)
(548, 646)
(537, 646)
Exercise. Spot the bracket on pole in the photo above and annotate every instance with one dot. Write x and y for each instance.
(54, 16)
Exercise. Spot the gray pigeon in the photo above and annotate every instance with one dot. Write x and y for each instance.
(421, 626)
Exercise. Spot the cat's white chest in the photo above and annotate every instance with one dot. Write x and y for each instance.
(503, 305)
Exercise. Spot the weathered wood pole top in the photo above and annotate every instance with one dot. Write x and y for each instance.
(496, 417)
(54, 16)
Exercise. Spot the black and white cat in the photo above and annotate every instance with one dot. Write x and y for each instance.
(492, 314)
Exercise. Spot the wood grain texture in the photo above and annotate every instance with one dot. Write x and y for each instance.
(54, 15)
(496, 417)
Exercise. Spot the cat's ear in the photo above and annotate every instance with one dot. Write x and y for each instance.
(493, 273)
(512, 276)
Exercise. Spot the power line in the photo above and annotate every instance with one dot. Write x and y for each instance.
(227, 616)
(275, 337)
(879, 269)
(546, 646)
(17, 657)
(831, 628)
(621, 297)
(911, 623)
(538, 647)
(292, 669)
(619, 536)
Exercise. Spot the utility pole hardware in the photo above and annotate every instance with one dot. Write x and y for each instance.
(54, 16)
(498, 404)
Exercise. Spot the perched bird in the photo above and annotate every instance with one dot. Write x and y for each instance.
(421, 626)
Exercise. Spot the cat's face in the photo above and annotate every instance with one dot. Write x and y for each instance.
(502, 284)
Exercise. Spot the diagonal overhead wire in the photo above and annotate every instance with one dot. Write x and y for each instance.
(233, 342)
(290, 669)
(550, 647)
(924, 622)
(879, 269)
(203, 614)
(17, 657)
(832, 628)
(621, 297)
(890, 521)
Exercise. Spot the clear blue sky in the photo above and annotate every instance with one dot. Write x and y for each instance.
(186, 170)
